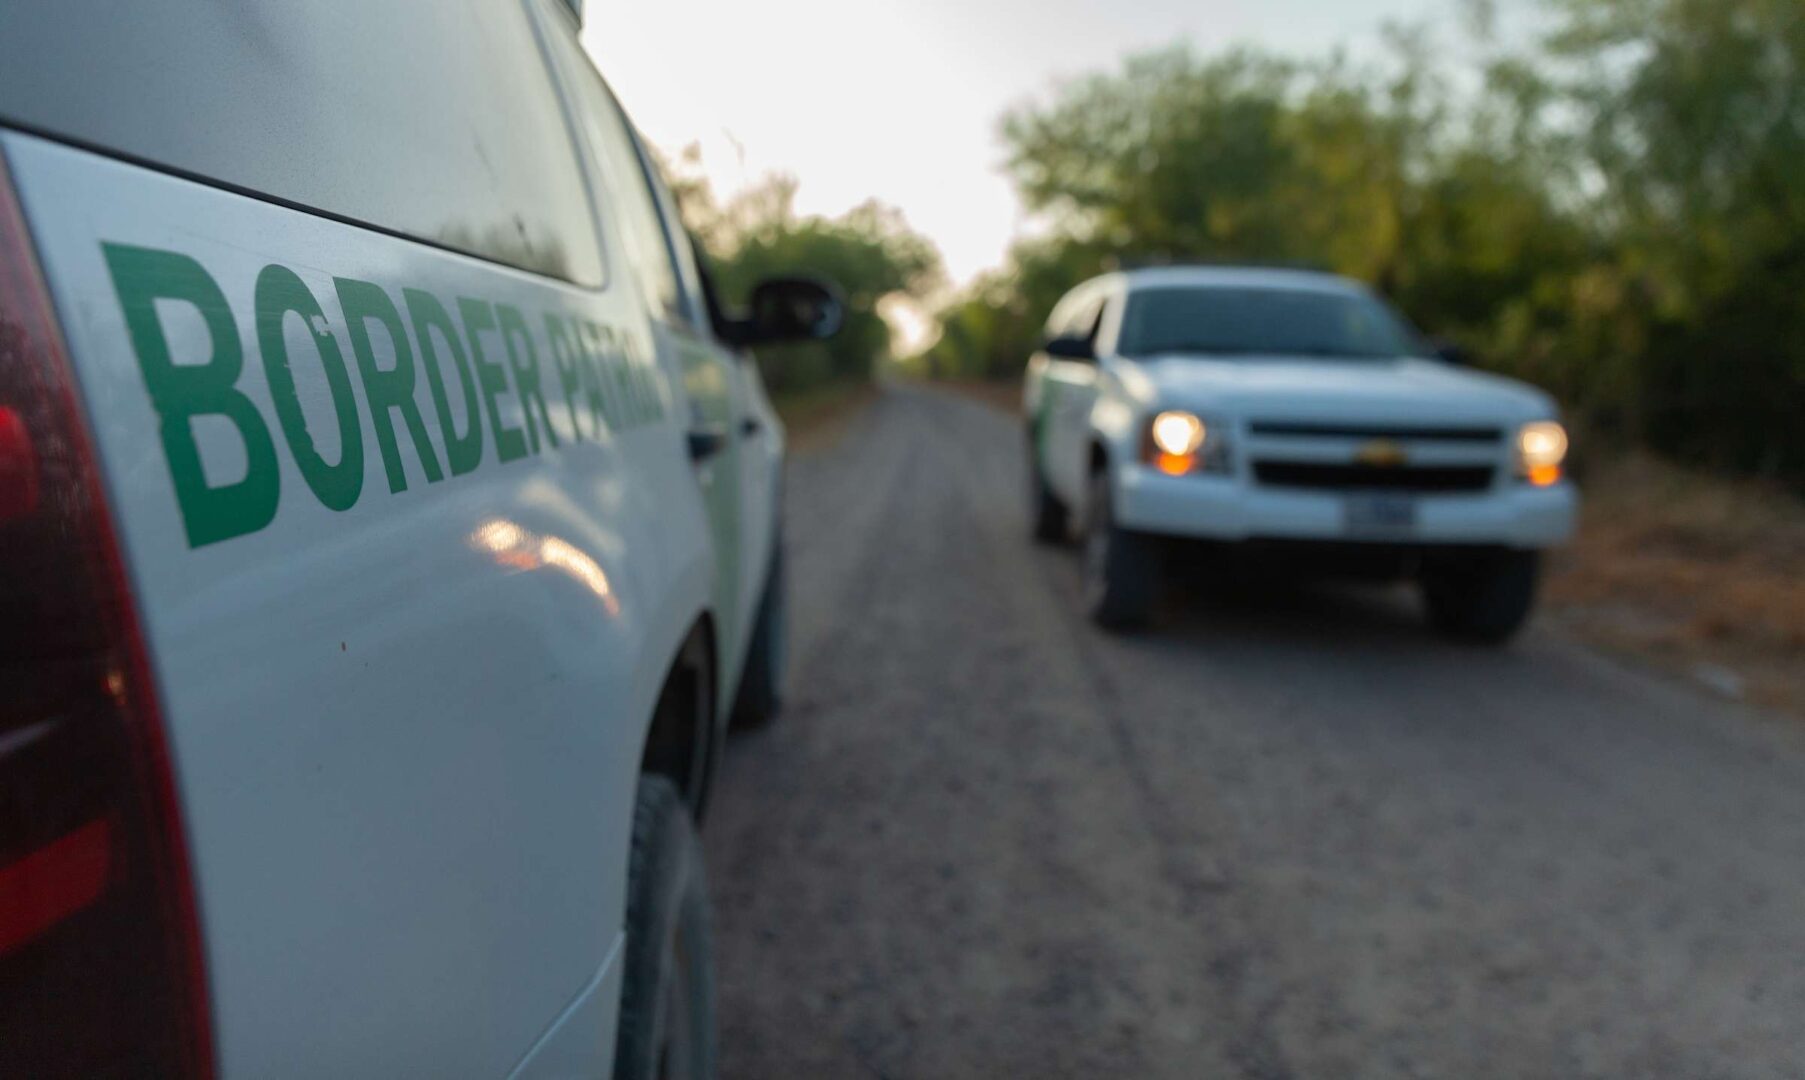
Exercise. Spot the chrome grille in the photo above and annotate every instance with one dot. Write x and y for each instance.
(1356, 477)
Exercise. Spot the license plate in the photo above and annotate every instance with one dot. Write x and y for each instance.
(1379, 515)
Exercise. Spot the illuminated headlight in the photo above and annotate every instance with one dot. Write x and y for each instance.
(1179, 443)
(1177, 433)
(1541, 450)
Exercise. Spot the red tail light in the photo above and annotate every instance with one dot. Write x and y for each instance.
(100, 964)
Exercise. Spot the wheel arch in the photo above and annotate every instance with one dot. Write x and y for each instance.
(683, 740)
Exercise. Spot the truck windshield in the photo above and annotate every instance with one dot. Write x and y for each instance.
(1262, 321)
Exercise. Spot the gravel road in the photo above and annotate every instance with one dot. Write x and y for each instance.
(1297, 837)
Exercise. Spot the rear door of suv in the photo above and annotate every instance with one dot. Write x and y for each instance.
(658, 256)
(403, 497)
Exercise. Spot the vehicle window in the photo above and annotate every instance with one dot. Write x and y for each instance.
(676, 237)
(1255, 321)
(435, 119)
(610, 138)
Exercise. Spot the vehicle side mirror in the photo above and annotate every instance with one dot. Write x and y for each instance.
(790, 309)
(1452, 353)
(1068, 347)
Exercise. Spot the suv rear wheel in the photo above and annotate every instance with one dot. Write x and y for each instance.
(1483, 598)
(667, 1016)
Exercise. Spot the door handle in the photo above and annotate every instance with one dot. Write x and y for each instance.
(706, 444)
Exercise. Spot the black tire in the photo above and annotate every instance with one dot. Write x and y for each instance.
(1052, 522)
(1482, 598)
(760, 696)
(1122, 570)
(667, 1016)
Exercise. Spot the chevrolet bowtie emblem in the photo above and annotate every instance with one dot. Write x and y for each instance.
(1382, 453)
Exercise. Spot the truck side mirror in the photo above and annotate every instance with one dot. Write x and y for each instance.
(790, 309)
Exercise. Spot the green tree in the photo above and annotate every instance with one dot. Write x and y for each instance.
(1695, 123)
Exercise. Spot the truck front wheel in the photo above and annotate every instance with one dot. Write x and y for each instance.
(1482, 597)
(1121, 568)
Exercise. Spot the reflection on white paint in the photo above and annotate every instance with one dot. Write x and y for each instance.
(521, 548)
(498, 535)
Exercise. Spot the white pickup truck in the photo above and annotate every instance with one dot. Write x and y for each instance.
(388, 533)
(1290, 413)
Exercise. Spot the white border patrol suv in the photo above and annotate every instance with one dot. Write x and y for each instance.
(1287, 413)
(388, 532)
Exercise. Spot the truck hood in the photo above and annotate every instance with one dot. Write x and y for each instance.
(1401, 389)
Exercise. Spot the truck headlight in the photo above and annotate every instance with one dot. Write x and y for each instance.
(1179, 443)
(1179, 434)
(1541, 450)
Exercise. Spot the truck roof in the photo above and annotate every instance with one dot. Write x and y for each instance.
(1237, 277)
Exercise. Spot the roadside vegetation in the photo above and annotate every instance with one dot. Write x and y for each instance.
(1703, 574)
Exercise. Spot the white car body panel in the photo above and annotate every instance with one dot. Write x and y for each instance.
(1207, 508)
(1409, 389)
(1079, 409)
(406, 734)
(719, 398)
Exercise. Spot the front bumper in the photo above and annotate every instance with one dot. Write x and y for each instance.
(1233, 509)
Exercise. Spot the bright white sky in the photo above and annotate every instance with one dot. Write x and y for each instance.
(899, 99)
